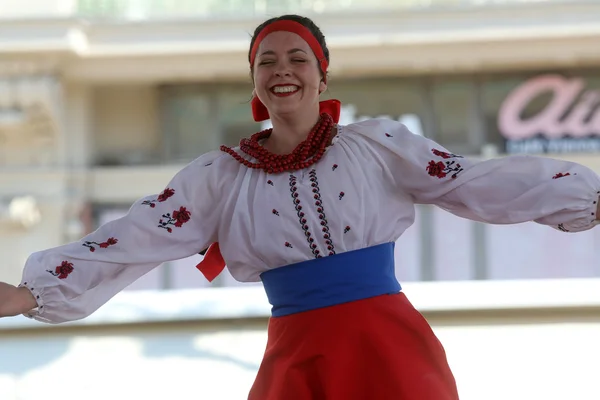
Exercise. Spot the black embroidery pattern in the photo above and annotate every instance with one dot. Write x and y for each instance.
(319, 203)
(562, 228)
(300, 213)
(111, 241)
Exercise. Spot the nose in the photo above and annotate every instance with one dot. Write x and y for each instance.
(282, 73)
(283, 70)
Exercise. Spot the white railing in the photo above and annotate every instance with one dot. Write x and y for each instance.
(168, 9)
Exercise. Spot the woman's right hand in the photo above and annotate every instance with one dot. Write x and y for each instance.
(15, 300)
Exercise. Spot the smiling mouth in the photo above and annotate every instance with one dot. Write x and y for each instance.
(284, 90)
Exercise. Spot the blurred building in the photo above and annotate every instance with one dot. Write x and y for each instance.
(102, 101)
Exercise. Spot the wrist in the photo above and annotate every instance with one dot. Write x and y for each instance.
(25, 299)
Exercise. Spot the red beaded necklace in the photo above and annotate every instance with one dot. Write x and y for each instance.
(304, 155)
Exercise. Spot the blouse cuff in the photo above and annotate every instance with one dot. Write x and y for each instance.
(587, 221)
(37, 294)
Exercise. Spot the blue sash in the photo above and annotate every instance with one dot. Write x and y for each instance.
(331, 280)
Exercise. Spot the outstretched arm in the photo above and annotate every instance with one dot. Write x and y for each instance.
(561, 194)
(70, 282)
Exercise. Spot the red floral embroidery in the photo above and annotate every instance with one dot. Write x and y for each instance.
(444, 154)
(182, 216)
(63, 270)
(103, 245)
(334, 167)
(436, 169)
(168, 192)
(109, 242)
(178, 218)
(347, 229)
(560, 175)
(270, 182)
(441, 169)
(342, 194)
(287, 244)
(275, 212)
(388, 135)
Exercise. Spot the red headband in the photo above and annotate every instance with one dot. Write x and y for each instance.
(331, 107)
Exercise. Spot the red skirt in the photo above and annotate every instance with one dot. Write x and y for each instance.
(377, 348)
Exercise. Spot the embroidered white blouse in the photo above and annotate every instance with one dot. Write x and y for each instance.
(361, 193)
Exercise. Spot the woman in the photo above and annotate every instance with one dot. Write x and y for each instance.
(312, 209)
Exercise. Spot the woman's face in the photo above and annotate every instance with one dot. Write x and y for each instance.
(286, 74)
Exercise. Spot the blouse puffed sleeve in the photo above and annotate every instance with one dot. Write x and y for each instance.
(506, 190)
(72, 281)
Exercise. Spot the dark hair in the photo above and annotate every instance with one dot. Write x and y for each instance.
(306, 22)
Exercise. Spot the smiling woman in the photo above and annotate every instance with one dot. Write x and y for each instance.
(311, 209)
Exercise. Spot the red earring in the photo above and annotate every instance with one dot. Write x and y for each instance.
(259, 111)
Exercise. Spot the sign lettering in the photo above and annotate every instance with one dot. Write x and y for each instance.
(554, 121)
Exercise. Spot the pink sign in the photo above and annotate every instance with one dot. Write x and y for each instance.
(577, 123)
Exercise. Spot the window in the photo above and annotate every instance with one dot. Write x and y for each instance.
(493, 93)
(235, 119)
(188, 123)
(199, 118)
(454, 103)
(398, 99)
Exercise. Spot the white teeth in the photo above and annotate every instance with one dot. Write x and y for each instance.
(285, 89)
